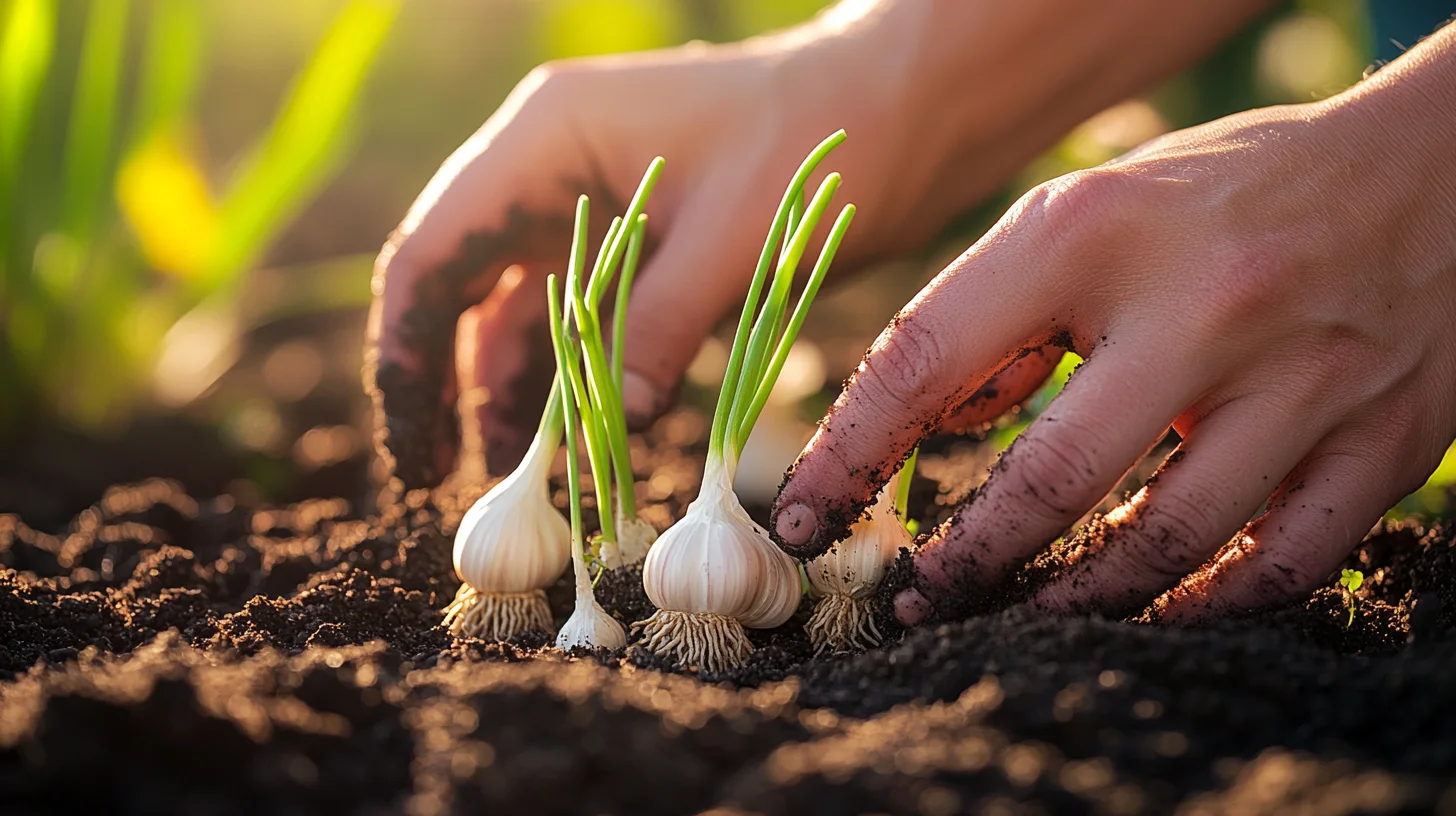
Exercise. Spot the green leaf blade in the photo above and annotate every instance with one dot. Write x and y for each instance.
(307, 142)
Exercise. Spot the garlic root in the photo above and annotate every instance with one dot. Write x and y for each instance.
(843, 623)
(497, 615)
(714, 642)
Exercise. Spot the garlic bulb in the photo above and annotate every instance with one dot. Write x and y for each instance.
(847, 575)
(716, 571)
(634, 537)
(511, 544)
(590, 626)
(710, 575)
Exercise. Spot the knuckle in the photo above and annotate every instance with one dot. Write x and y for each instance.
(1276, 582)
(1166, 542)
(1244, 278)
(898, 379)
(1349, 461)
(1070, 210)
(546, 91)
(1049, 479)
(394, 260)
(546, 78)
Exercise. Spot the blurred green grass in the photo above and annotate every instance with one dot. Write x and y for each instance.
(112, 232)
(175, 173)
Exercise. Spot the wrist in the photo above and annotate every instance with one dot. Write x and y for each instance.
(1401, 125)
(973, 89)
(1409, 107)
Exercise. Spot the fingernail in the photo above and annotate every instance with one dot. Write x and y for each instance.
(911, 607)
(640, 399)
(796, 525)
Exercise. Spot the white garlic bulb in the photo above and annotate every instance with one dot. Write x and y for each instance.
(590, 626)
(717, 560)
(711, 574)
(847, 575)
(511, 544)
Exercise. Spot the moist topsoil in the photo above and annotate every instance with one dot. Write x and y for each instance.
(165, 654)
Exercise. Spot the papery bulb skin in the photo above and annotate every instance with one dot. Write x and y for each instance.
(634, 538)
(781, 592)
(847, 575)
(511, 544)
(711, 574)
(590, 627)
(718, 561)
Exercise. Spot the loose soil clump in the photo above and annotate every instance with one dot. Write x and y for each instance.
(165, 654)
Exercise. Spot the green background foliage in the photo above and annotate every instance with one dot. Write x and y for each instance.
(176, 176)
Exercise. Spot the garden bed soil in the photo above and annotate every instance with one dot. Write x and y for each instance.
(165, 654)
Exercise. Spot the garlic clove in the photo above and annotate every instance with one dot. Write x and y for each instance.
(780, 591)
(846, 577)
(590, 627)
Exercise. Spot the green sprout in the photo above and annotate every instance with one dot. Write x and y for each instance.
(625, 537)
(1350, 582)
(902, 492)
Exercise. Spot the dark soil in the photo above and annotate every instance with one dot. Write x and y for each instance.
(163, 654)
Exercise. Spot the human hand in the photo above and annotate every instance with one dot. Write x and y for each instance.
(925, 141)
(1277, 286)
(731, 122)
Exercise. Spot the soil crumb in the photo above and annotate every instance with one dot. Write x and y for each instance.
(166, 654)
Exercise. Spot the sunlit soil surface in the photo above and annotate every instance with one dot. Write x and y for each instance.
(166, 654)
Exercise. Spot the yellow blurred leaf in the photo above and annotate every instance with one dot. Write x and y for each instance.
(164, 197)
(1445, 474)
(757, 16)
(576, 28)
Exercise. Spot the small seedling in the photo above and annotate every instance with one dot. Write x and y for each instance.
(1350, 582)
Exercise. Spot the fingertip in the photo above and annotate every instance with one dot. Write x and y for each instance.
(795, 525)
(912, 608)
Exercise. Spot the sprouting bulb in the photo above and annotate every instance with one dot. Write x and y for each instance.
(634, 538)
(847, 575)
(590, 626)
(710, 575)
(511, 545)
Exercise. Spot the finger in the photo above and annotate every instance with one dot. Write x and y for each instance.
(503, 373)
(495, 202)
(934, 354)
(1320, 513)
(1209, 488)
(701, 269)
(1112, 411)
(1004, 390)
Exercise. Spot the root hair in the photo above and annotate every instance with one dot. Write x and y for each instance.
(496, 615)
(713, 642)
(842, 623)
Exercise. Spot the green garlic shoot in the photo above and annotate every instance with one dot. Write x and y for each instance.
(625, 537)
(716, 571)
(589, 625)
